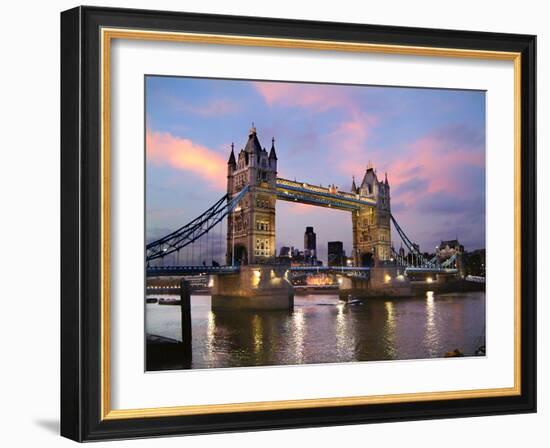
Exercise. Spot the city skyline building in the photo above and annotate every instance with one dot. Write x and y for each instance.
(310, 243)
(336, 253)
(285, 252)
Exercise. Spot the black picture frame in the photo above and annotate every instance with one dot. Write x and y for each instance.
(81, 224)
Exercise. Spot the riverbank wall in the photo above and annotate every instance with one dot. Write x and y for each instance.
(392, 282)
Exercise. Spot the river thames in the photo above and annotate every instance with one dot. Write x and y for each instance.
(321, 329)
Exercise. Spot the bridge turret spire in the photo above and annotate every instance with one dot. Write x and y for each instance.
(253, 144)
(386, 178)
(272, 153)
(353, 186)
(232, 162)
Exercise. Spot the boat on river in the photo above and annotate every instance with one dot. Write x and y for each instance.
(350, 300)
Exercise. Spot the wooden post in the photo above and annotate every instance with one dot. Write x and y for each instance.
(186, 332)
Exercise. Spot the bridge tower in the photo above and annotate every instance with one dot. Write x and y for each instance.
(251, 226)
(371, 225)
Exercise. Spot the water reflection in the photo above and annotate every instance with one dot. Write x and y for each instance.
(257, 333)
(345, 340)
(211, 328)
(298, 334)
(389, 332)
(431, 338)
(321, 329)
(210, 337)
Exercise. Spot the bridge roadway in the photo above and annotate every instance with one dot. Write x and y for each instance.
(351, 271)
(166, 271)
(428, 270)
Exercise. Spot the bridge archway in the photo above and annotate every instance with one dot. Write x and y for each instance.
(241, 255)
(367, 259)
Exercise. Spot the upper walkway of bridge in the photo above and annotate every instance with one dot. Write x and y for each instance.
(294, 191)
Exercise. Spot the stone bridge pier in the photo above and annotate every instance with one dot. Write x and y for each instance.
(383, 282)
(254, 287)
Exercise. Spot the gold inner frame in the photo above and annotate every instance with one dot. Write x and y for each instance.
(107, 35)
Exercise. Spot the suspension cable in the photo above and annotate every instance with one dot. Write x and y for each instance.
(195, 229)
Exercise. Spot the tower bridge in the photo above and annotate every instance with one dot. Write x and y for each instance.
(251, 226)
(251, 272)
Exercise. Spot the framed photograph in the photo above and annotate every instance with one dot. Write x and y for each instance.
(273, 223)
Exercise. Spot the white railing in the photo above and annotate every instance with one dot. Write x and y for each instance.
(475, 279)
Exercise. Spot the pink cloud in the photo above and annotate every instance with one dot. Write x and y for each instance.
(350, 134)
(435, 163)
(350, 139)
(432, 164)
(214, 108)
(303, 95)
(164, 149)
(210, 108)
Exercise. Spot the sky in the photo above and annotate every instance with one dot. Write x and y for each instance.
(431, 143)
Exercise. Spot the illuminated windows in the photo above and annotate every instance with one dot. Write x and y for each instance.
(262, 224)
(262, 247)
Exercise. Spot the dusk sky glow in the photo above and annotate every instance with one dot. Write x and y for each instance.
(431, 143)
